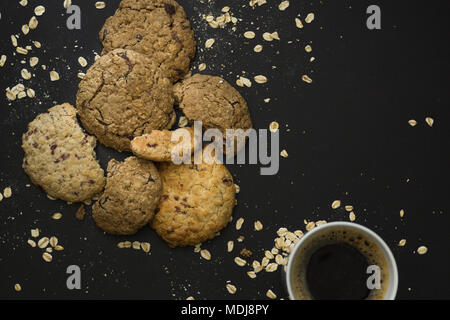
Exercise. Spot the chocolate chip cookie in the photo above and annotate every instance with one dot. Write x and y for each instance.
(132, 192)
(124, 95)
(156, 28)
(196, 203)
(60, 157)
(213, 101)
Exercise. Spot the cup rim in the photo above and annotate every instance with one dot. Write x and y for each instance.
(391, 292)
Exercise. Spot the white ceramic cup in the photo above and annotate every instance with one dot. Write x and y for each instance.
(391, 289)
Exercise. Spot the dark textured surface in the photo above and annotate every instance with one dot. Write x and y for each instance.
(348, 139)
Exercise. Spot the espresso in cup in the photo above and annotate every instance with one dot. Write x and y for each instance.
(340, 261)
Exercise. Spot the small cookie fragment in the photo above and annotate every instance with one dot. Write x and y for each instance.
(158, 146)
(132, 192)
(60, 157)
(81, 212)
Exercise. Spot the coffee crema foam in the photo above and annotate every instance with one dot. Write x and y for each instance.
(367, 247)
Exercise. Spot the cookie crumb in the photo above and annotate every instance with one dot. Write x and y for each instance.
(81, 212)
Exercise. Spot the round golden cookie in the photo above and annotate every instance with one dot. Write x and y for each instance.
(60, 157)
(124, 95)
(196, 202)
(132, 192)
(156, 28)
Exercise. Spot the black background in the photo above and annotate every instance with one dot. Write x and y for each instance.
(347, 137)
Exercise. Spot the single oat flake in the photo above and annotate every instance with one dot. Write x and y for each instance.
(270, 294)
(309, 18)
(306, 79)
(54, 76)
(402, 243)
(249, 34)
(7, 192)
(429, 121)
(47, 257)
(284, 154)
(17, 287)
(258, 225)
(412, 122)
(100, 4)
(240, 262)
(205, 254)
(231, 288)
(57, 216)
(39, 10)
(82, 61)
(209, 43)
(273, 127)
(2, 60)
(298, 23)
(422, 250)
(239, 223)
(258, 48)
(33, 23)
(336, 204)
(202, 67)
(283, 5)
(260, 79)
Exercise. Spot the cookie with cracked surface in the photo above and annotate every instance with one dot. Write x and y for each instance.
(156, 28)
(124, 95)
(158, 146)
(196, 203)
(60, 157)
(132, 192)
(213, 101)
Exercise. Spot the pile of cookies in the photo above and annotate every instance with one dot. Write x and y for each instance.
(126, 100)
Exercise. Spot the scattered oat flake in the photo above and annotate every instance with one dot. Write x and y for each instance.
(336, 204)
(402, 243)
(53, 241)
(43, 242)
(145, 246)
(309, 18)
(47, 257)
(37, 44)
(21, 50)
(267, 36)
(271, 267)
(25, 74)
(402, 213)
(225, 9)
(283, 5)
(308, 48)
(311, 225)
(25, 29)
(67, 3)
(23, 3)
(202, 67)
(270, 294)
(352, 216)
(57, 216)
(82, 61)
(205, 254)
(14, 40)
(258, 48)
(422, 250)
(240, 262)
(284, 154)
(237, 188)
(31, 243)
(273, 127)
(260, 79)
(251, 274)
(35, 233)
(100, 4)
(39, 10)
(298, 23)
(7, 192)
(59, 248)
(306, 79)
(2, 60)
(136, 245)
(230, 246)
(81, 75)
(209, 43)
(429, 121)
(349, 208)
(33, 23)
(412, 122)
(17, 287)
(54, 76)
(249, 34)
(34, 61)
(258, 225)
(239, 223)
(30, 93)
(231, 288)
(190, 298)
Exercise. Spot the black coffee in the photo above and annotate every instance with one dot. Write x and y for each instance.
(337, 271)
(333, 265)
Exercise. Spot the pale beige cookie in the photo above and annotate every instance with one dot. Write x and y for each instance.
(122, 96)
(158, 146)
(156, 28)
(196, 203)
(132, 192)
(213, 101)
(60, 157)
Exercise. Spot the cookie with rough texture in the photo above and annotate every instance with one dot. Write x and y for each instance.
(156, 28)
(132, 192)
(213, 101)
(196, 203)
(60, 157)
(158, 146)
(124, 95)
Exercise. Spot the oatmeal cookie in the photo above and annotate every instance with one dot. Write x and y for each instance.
(213, 101)
(132, 192)
(196, 203)
(124, 95)
(156, 28)
(158, 146)
(60, 157)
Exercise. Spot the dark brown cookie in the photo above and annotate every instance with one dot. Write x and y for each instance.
(156, 28)
(132, 192)
(124, 95)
